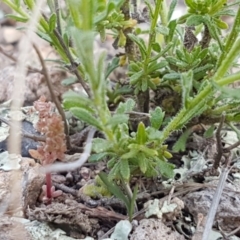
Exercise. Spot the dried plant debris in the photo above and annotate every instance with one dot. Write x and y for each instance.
(70, 216)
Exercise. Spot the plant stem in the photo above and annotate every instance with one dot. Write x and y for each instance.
(49, 187)
(17, 9)
(75, 69)
(58, 16)
(164, 13)
(152, 34)
(229, 79)
(231, 38)
(197, 101)
(228, 60)
(226, 108)
(235, 129)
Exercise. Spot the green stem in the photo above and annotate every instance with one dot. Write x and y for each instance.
(164, 13)
(228, 60)
(229, 79)
(152, 34)
(17, 9)
(174, 124)
(220, 109)
(231, 38)
(233, 117)
(202, 96)
(235, 129)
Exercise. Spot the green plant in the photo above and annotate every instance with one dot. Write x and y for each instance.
(128, 199)
(189, 77)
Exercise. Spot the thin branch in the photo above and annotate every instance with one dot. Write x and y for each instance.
(70, 58)
(54, 98)
(219, 154)
(227, 235)
(7, 55)
(30, 69)
(65, 189)
(58, 16)
(25, 133)
(73, 64)
(228, 149)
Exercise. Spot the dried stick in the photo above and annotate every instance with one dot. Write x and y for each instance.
(227, 235)
(219, 154)
(70, 58)
(54, 98)
(7, 55)
(73, 64)
(228, 149)
(65, 189)
(58, 16)
(30, 69)
(25, 133)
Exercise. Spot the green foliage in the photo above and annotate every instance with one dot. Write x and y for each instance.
(190, 76)
(117, 192)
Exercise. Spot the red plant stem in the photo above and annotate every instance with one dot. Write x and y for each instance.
(49, 187)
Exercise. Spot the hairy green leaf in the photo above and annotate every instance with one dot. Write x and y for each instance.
(165, 168)
(209, 132)
(186, 82)
(180, 144)
(100, 145)
(171, 76)
(17, 18)
(140, 43)
(162, 30)
(117, 119)
(142, 162)
(141, 135)
(52, 22)
(114, 189)
(97, 157)
(72, 99)
(125, 169)
(195, 20)
(156, 117)
(85, 116)
(172, 6)
(126, 106)
(69, 81)
(112, 66)
(135, 77)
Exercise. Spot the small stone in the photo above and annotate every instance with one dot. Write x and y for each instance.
(85, 173)
(57, 178)
(11, 35)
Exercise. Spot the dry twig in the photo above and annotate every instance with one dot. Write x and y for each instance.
(219, 154)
